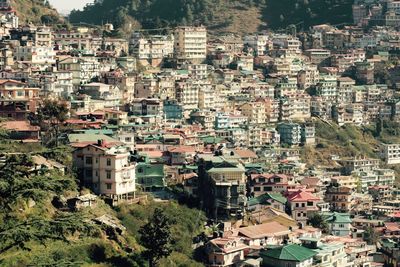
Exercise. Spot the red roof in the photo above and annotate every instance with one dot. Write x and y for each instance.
(19, 126)
(301, 196)
(181, 149)
(245, 153)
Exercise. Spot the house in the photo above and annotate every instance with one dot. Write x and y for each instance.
(339, 223)
(327, 254)
(106, 169)
(301, 204)
(225, 251)
(42, 162)
(150, 177)
(272, 233)
(270, 214)
(21, 130)
(181, 154)
(289, 255)
(17, 100)
(260, 184)
(275, 200)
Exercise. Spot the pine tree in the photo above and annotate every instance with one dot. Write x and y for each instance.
(155, 236)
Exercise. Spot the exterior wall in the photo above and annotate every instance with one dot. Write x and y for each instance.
(106, 173)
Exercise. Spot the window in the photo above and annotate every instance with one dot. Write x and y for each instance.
(310, 203)
(108, 174)
(303, 205)
(88, 173)
(89, 160)
(261, 180)
(267, 188)
(109, 186)
(108, 162)
(299, 214)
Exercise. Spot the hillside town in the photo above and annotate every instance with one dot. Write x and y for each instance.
(225, 122)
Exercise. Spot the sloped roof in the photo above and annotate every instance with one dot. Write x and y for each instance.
(20, 126)
(264, 230)
(337, 217)
(291, 252)
(301, 195)
(264, 197)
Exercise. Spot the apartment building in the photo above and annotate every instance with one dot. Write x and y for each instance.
(106, 169)
(255, 112)
(190, 44)
(290, 133)
(391, 153)
(340, 198)
(151, 49)
(258, 43)
(17, 100)
(302, 204)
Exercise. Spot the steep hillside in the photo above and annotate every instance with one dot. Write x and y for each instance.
(239, 16)
(36, 11)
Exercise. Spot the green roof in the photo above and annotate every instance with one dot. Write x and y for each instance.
(263, 199)
(149, 170)
(291, 252)
(336, 217)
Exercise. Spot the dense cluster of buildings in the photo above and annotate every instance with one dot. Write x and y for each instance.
(226, 119)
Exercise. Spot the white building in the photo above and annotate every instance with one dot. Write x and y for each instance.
(391, 153)
(191, 44)
(35, 54)
(151, 49)
(106, 169)
(257, 42)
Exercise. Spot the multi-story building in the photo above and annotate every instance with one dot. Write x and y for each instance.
(340, 198)
(359, 164)
(106, 169)
(260, 184)
(258, 43)
(290, 133)
(345, 89)
(225, 180)
(302, 204)
(327, 87)
(17, 100)
(83, 69)
(190, 44)
(391, 153)
(147, 107)
(255, 112)
(152, 49)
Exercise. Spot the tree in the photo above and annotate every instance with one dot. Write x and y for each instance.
(156, 237)
(49, 116)
(370, 236)
(316, 220)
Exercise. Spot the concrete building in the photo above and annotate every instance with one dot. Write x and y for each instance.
(391, 153)
(190, 44)
(106, 169)
(290, 133)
